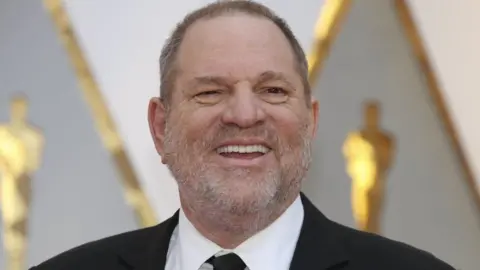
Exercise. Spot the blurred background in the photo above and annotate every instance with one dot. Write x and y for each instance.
(77, 162)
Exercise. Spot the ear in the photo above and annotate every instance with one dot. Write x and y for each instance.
(156, 122)
(314, 115)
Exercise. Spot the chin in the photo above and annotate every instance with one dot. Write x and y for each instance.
(245, 193)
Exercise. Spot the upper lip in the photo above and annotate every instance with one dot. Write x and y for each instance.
(244, 141)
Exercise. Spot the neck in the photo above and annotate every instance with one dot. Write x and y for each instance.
(227, 229)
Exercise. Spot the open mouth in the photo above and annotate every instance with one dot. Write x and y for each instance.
(243, 151)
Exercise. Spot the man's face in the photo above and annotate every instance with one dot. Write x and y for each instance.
(238, 133)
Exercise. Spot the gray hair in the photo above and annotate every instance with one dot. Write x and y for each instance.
(172, 45)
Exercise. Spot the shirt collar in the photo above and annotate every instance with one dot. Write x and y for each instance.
(271, 248)
(195, 249)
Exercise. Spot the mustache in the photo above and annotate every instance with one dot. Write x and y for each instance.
(227, 132)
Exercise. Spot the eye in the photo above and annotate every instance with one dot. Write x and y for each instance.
(208, 97)
(274, 94)
(276, 91)
(208, 93)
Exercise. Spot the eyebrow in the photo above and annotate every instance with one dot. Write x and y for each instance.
(264, 77)
(273, 76)
(211, 80)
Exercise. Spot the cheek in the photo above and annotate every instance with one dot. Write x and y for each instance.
(289, 123)
(196, 123)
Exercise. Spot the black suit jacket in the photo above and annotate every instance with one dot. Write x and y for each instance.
(323, 244)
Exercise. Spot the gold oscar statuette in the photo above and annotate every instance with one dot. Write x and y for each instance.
(368, 154)
(21, 148)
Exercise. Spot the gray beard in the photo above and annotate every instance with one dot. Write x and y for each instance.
(209, 191)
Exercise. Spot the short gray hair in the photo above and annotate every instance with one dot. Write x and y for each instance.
(172, 45)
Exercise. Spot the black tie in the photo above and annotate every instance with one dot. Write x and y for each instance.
(229, 261)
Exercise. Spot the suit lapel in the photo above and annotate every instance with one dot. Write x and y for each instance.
(318, 247)
(149, 251)
(157, 257)
(319, 244)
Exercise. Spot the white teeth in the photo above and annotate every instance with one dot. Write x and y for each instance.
(256, 148)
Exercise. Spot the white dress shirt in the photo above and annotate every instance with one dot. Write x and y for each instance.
(269, 249)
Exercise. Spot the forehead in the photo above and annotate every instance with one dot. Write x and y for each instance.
(236, 45)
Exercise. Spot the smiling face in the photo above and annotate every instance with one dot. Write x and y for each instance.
(238, 131)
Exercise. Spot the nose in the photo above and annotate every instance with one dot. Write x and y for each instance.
(244, 108)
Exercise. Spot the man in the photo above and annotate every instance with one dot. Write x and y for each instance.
(234, 124)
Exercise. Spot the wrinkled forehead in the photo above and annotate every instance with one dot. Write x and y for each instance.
(237, 45)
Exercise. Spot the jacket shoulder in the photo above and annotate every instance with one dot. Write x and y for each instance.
(99, 254)
(371, 251)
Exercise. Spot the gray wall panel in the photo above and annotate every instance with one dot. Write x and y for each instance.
(77, 196)
(428, 203)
